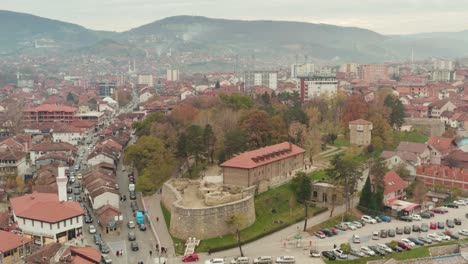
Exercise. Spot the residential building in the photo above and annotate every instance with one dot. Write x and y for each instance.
(41, 149)
(439, 148)
(317, 85)
(360, 132)
(68, 134)
(438, 107)
(13, 162)
(106, 88)
(395, 159)
(421, 150)
(49, 113)
(302, 69)
(442, 64)
(351, 68)
(146, 80)
(264, 167)
(172, 75)
(395, 188)
(46, 219)
(438, 175)
(324, 193)
(372, 73)
(100, 189)
(443, 75)
(13, 247)
(260, 78)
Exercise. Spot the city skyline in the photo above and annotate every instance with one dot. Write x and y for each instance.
(406, 16)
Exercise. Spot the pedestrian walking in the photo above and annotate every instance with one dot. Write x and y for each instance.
(121, 252)
(334, 246)
(162, 249)
(151, 253)
(117, 253)
(157, 219)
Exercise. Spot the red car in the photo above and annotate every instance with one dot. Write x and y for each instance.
(433, 225)
(404, 245)
(190, 258)
(439, 210)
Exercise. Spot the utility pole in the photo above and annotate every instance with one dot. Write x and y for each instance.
(306, 209)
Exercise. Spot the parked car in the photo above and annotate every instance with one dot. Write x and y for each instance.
(450, 223)
(263, 260)
(88, 219)
(97, 239)
(416, 241)
(239, 260)
(334, 231)
(425, 240)
(443, 236)
(142, 227)
(358, 224)
(409, 242)
(425, 215)
(424, 227)
(104, 248)
(433, 225)
(327, 232)
(216, 261)
(383, 233)
(451, 234)
(342, 226)
(368, 219)
(385, 248)
(285, 259)
(367, 251)
(356, 253)
(92, 229)
(377, 250)
(391, 232)
(416, 228)
(440, 225)
(404, 245)
(394, 246)
(314, 253)
(326, 254)
(132, 195)
(405, 218)
(459, 203)
(416, 217)
(375, 235)
(340, 254)
(69, 190)
(457, 221)
(352, 226)
(117, 186)
(131, 224)
(434, 237)
(356, 239)
(319, 234)
(463, 232)
(439, 210)
(385, 218)
(407, 230)
(134, 246)
(191, 257)
(106, 259)
(131, 236)
(452, 205)
(377, 218)
(399, 230)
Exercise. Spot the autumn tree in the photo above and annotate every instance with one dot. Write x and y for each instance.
(355, 108)
(195, 143)
(257, 127)
(382, 133)
(235, 222)
(312, 142)
(184, 114)
(297, 133)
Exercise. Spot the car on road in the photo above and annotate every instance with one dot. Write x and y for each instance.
(97, 239)
(356, 253)
(134, 206)
(239, 260)
(106, 259)
(104, 248)
(134, 246)
(452, 205)
(88, 219)
(132, 195)
(416, 217)
(117, 186)
(463, 232)
(320, 234)
(425, 240)
(326, 254)
(314, 253)
(79, 176)
(69, 190)
(192, 257)
(263, 259)
(142, 227)
(92, 229)
(367, 251)
(131, 236)
(356, 239)
(131, 224)
(405, 218)
(368, 219)
(76, 192)
(285, 259)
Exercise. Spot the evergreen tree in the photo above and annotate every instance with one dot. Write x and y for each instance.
(397, 114)
(217, 85)
(366, 194)
(70, 97)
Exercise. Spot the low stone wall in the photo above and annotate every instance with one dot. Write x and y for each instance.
(207, 222)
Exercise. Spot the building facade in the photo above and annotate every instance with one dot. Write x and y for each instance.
(317, 85)
(260, 78)
(13, 247)
(172, 75)
(106, 88)
(302, 69)
(49, 113)
(372, 73)
(146, 80)
(360, 132)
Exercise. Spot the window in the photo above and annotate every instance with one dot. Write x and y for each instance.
(42, 224)
(315, 194)
(324, 197)
(32, 222)
(65, 223)
(50, 226)
(58, 225)
(24, 221)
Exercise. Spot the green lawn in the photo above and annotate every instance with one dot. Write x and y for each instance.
(341, 141)
(318, 175)
(269, 206)
(419, 252)
(412, 136)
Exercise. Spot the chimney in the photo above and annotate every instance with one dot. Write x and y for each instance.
(62, 184)
(290, 146)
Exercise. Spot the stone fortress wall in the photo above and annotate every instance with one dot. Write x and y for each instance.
(203, 210)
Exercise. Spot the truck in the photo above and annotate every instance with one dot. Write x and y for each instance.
(140, 217)
(131, 187)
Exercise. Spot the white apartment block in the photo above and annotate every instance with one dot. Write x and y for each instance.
(145, 80)
(260, 78)
(172, 75)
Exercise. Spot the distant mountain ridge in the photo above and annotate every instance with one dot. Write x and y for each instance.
(262, 38)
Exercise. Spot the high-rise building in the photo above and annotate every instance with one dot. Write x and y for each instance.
(350, 68)
(260, 78)
(442, 64)
(145, 80)
(172, 75)
(372, 73)
(106, 88)
(317, 85)
(443, 75)
(302, 69)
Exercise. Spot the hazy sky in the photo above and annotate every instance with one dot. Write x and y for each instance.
(383, 16)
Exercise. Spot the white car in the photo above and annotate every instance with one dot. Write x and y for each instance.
(416, 217)
(461, 202)
(463, 232)
(92, 229)
(262, 259)
(79, 176)
(409, 242)
(72, 179)
(367, 251)
(356, 239)
(339, 253)
(385, 248)
(434, 237)
(215, 261)
(240, 260)
(375, 235)
(368, 219)
(443, 236)
(350, 225)
(285, 259)
(357, 224)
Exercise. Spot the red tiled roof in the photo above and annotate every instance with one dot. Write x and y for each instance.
(84, 254)
(44, 207)
(360, 122)
(262, 156)
(393, 182)
(9, 241)
(51, 108)
(54, 146)
(443, 145)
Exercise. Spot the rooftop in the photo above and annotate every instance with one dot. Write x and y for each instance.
(9, 241)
